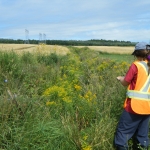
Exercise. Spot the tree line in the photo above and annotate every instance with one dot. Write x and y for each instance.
(92, 42)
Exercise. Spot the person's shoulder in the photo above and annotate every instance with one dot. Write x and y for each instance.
(133, 65)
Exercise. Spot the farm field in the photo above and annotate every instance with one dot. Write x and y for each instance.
(111, 52)
(111, 49)
(19, 48)
(62, 49)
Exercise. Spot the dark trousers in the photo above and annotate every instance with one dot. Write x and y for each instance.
(132, 124)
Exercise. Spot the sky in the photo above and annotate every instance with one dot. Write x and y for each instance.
(122, 20)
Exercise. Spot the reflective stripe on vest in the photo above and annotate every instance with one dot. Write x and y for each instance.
(143, 93)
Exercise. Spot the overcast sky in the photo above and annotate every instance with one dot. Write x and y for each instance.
(127, 20)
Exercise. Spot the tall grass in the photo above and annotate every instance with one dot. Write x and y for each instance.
(54, 102)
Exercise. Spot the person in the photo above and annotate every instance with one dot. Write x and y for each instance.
(134, 120)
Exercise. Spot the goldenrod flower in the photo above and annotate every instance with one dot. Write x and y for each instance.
(67, 100)
(50, 103)
(88, 147)
(89, 96)
(85, 137)
(115, 67)
(86, 96)
(77, 87)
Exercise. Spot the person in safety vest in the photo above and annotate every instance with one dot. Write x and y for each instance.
(134, 121)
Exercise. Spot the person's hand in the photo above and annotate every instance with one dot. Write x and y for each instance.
(119, 78)
(123, 82)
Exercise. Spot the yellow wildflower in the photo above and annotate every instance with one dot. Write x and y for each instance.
(77, 87)
(86, 96)
(88, 147)
(50, 103)
(85, 137)
(89, 96)
(115, 67)
(67, 100)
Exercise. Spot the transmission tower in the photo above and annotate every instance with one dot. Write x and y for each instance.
(44, 38)
(40, 37)
(27, 36)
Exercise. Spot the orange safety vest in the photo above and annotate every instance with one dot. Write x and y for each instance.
(140, 96)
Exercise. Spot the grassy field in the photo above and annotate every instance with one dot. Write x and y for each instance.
(113, 52)
(59, 102)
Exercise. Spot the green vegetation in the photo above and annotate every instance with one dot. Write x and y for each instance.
(117, 57)
(54, 102)
(91, 42)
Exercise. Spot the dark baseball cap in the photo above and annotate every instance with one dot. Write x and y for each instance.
(141, 46)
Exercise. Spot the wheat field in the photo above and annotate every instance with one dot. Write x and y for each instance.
(42, 48)
(19, 48)
(112, 49)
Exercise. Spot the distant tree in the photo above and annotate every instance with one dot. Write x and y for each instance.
(92, 42)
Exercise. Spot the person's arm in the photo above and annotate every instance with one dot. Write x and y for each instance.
(130, 76)
(123, 82)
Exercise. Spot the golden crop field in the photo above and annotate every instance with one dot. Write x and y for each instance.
(42, 48)
(111, 49)
(19, 48)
